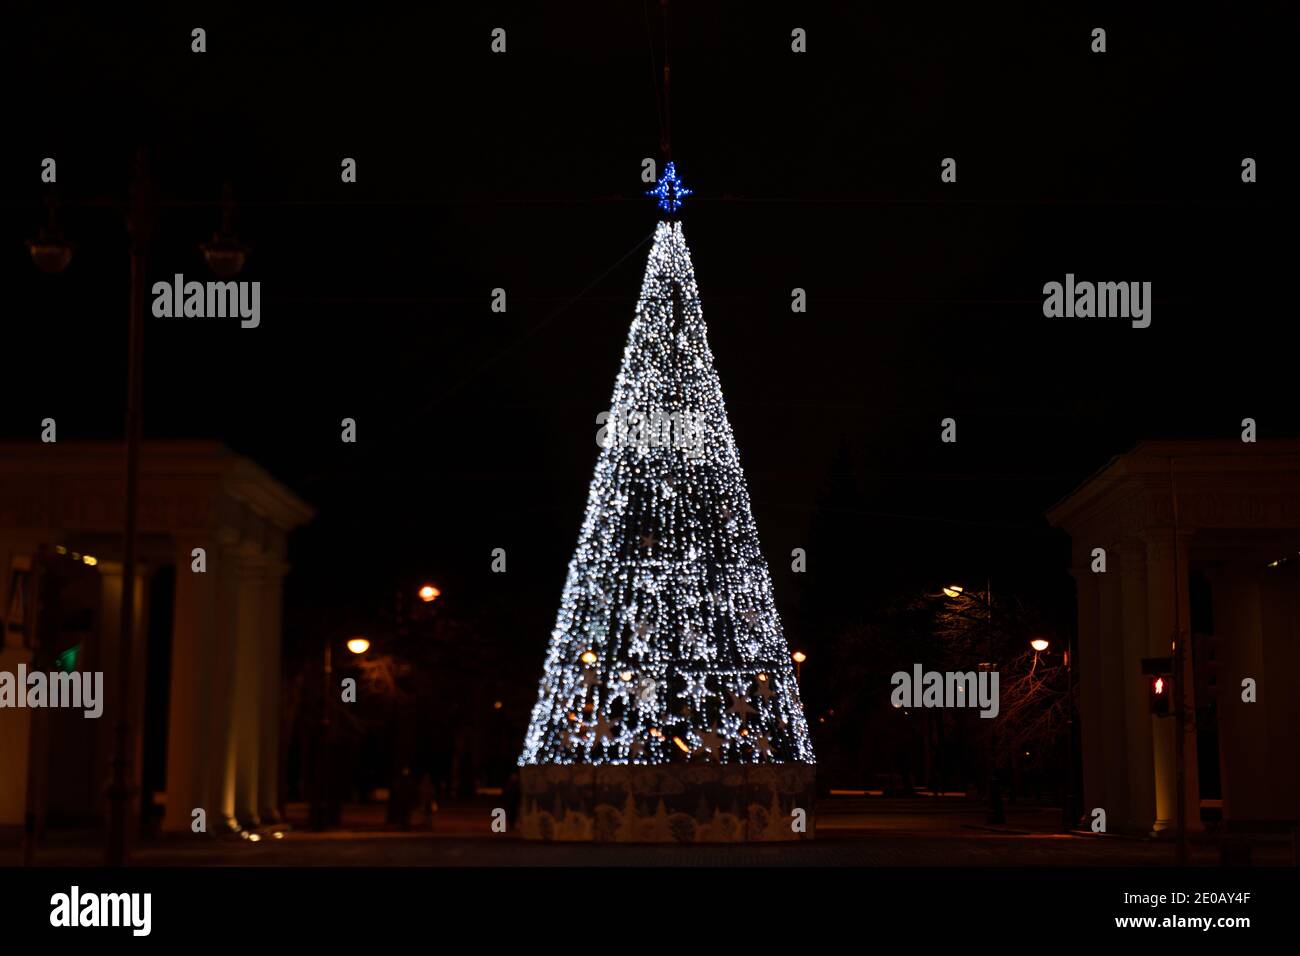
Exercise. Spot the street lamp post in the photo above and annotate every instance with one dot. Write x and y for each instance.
(51, 253)
(320, 806)
(140, 225)
(1070, 817)
(320, 814)
(357, 645)
(996, 815)
(799, 657)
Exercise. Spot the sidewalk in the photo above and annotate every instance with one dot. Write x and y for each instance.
(850, 832)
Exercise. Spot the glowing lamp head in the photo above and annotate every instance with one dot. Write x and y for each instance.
(429, 593)
(799, 657)
(588, 657)
(358, 645)
(50, 254)
(225, 256)
(50, 251)
(1039, 644)
(953, 590)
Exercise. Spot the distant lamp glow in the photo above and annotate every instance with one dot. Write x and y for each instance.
(496, 705)
(358, 645)
(681, 745)
(1039, 644)
(799, 657)
(50, 251)
(429, 593)
(588, 657)
(953, 590)
(225, 254)
(763, 678)
(626, 676)
(90, 560)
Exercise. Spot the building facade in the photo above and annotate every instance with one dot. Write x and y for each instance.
(1198, 540)
(212, 539)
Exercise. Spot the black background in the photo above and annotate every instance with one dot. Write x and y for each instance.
(820, 171)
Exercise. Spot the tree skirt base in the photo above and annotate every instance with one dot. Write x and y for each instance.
(668, 803)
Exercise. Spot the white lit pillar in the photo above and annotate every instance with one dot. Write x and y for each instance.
(1168, 612)
(194, 643)
(247, 726)
(271, 712)
(1133, 735)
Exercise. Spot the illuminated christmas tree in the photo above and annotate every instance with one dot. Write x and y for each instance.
(667, 647)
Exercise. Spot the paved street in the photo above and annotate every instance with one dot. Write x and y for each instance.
(850, 832)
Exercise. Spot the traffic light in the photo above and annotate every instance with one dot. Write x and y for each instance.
(1158, 694)
(1156, 671)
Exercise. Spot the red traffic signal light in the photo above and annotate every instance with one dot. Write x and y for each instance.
(1158, 694)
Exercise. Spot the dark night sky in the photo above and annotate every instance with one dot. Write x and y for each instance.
(522, 171)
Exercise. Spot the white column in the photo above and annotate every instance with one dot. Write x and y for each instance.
(272, 693)
(194, 642)
(1089, 679)
(1168, 608)
(1134, 734)
(109, 662)
(248, 721)
(15, 723)
(221, 675)
(1243, 728)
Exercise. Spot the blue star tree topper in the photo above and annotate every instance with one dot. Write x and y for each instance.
(670, 190)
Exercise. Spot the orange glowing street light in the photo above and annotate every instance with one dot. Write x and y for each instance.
(799, 657)
(429, 593)
(1040, 644)
(358, 645)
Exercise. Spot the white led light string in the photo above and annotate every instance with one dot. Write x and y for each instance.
(667, 588)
